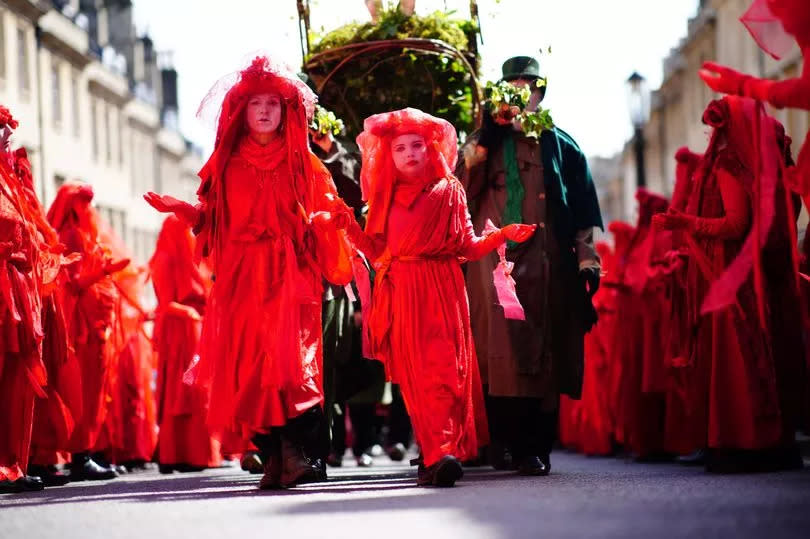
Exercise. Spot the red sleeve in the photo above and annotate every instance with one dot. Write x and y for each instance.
(332, 250)
(736, 204)
(476, 247)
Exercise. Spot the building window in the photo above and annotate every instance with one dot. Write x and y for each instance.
(2, 44)
(74, 106)
(22, 65)
(94, 127)
(56, 94)
(108, 133)
(121, 145)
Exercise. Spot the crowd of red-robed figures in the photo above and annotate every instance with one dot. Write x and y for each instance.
(77, 366)
(701, 340)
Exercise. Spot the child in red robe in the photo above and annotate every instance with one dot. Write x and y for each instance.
(418, 230)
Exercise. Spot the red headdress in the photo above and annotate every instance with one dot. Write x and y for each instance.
(777, 24)
(72, 206)
(757, 142)
(225, 105)
(378, 174)
(174, 252)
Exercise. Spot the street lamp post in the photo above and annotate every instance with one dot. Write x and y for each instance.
(638, 102)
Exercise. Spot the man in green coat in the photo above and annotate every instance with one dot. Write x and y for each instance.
(526, 364)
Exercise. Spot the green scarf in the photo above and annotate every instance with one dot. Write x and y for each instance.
(513, 211)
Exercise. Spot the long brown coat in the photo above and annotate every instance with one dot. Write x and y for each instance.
(543, 355)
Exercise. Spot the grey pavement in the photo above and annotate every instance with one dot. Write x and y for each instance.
(584, 497)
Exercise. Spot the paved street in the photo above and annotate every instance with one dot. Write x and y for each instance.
(584, 497)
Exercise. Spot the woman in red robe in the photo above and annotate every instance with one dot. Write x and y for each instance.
(418, 229)
(184, 443)
(263, 350)
(22, 372)
(53, 415)
(742, 292)
(88, 298)
(129, 436)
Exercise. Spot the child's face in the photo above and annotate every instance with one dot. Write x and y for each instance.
(409, 152)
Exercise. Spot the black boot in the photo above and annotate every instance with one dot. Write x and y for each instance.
(296, 467)
(309, 433)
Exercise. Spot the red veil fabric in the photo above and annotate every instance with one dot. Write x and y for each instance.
(419, 322)
(181, 293)
(262, 334)
(766, 28)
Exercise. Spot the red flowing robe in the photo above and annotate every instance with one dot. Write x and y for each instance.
(181, 294)
(741, 371)
(420, 317)
(640, 411)
(262, 330)
(586, 425)
(89, 308)
(130, 430)
(22, 372)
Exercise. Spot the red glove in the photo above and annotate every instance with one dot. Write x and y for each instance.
(673, 220)
(722, 79)
(168, 204)
(114, 266)
(518, 233)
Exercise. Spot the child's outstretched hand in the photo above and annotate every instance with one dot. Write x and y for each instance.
(518, 233)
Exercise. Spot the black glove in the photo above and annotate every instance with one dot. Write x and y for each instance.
(590, 277)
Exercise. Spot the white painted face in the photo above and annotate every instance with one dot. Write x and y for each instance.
(264, 113)
(409, 152)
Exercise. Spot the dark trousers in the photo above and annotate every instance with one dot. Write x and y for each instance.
(308, 431)
(522, 424)
(364, 428)
(399, 423)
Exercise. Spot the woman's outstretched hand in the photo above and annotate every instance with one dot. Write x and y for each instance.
(518, 233)
(722, 79)
(169, 204)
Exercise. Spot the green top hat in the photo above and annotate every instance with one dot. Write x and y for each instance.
(521, 67)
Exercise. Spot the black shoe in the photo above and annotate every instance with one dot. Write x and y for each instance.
(166, 469)
(499, 457)
(51, 475)
(251, 462)
(397, 452)
(444, 473)
(188, 468)
(27, 483)
(532, 466)
(334, 460)
(83, 468)
(697, 458)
